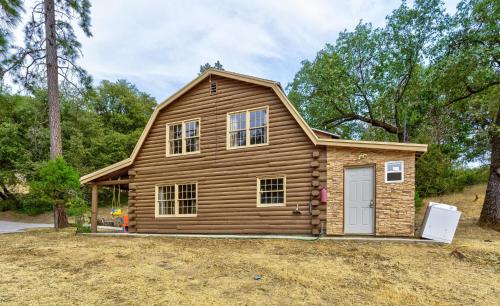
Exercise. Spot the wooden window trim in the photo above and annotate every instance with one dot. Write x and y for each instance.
(247, 128)
(386, 171)
(259, 204)
(183, 135)
(176, 215)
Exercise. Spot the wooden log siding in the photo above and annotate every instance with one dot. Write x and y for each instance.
(227, 186)
(132, 202)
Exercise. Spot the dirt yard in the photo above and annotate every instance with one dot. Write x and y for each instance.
(47, 267)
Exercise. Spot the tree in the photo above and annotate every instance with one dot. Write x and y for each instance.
(470, 67)
(371, 76)
(217, 65)
(49, 52)
(122, 106)
(425, 76)
(57, 182)
(10, 16)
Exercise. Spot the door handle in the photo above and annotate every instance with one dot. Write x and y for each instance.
(371, 204)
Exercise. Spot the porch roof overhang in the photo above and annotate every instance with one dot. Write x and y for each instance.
(115, 174)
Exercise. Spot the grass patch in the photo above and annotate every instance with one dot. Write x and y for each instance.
(48, 267)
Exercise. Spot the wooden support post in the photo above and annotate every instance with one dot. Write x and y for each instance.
(93, 220)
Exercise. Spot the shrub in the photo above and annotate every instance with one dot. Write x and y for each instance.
(56, 183)
(77, 207)
(56, 180)
(33, 205)
(436, 174)
(9, 204)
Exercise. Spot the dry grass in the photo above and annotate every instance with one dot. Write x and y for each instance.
(46, 267)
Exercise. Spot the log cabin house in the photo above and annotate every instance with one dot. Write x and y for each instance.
(229, 153)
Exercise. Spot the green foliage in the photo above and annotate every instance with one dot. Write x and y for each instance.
(33, 204)
(436, 174)
(77, 207)
(419, 203)
(10, 16)
(98, 129)
(372, 76)
(14, 157)
(217, 65)
(9, 204)
(81, 228)
(122, 107)
(26, 63)
(55, 180)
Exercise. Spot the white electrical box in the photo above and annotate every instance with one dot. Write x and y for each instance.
(440, 222)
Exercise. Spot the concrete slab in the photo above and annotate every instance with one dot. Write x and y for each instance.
(290, 237)
(14, 227)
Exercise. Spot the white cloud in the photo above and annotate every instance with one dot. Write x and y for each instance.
(159, 45)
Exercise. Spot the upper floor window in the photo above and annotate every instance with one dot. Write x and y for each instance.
(394, 171)
(183, 137)
(248, 128)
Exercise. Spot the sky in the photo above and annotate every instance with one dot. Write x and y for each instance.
(160, 45)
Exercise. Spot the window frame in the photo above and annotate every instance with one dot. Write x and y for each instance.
(183, 137)
(247, 128)
(386, 171)
(176, 202)
(259, 204)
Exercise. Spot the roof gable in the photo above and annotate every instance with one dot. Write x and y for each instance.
(275, 86)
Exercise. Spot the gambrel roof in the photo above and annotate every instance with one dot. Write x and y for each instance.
(278, 90)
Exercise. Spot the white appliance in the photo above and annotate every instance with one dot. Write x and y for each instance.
(440, 222)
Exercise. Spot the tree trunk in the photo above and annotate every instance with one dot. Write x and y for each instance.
(490, 214)
(60, 219)
(52, 80)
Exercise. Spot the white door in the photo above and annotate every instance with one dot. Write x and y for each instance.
(359, 208)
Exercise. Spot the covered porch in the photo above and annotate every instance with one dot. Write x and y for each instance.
(119, 175)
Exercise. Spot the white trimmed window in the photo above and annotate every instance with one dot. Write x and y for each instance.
(271, 192)
(183, 137)
(248, 128)
(176, 200)
(394, 172)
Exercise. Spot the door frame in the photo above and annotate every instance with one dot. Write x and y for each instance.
(374, 167)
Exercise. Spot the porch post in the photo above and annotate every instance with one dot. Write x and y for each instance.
(93, 220)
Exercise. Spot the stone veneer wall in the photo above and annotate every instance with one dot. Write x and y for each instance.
(394, 202)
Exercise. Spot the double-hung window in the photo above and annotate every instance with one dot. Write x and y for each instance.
(183, 137)
(271, 192)
(176, 200)
(394, 172)
(248, 128)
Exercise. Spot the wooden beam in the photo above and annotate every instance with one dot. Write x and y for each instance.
(113, 182)
(93, 220)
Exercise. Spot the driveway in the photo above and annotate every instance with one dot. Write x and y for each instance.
(13, 227)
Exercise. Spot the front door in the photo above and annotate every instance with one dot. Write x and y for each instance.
(359, 208)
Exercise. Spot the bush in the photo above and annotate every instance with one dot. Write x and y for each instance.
(9, 204)
(77, 207)
(33, 205)
(436, 174)
(56, 180)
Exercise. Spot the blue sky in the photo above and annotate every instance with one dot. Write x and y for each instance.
(159, 45)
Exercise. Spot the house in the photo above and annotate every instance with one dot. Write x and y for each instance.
(228, 153)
